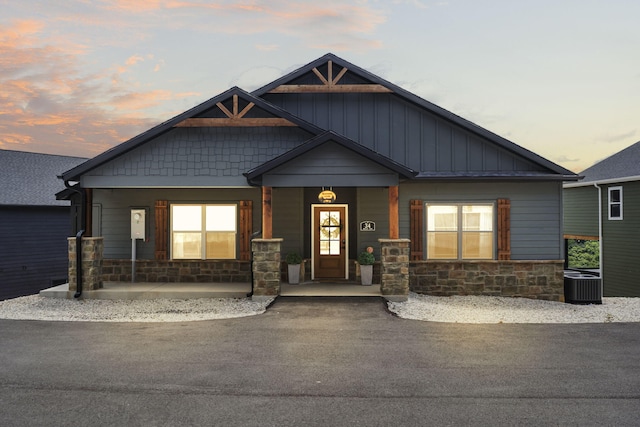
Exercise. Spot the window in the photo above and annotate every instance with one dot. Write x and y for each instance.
(203, 231)
(615, 203)
(460, 231)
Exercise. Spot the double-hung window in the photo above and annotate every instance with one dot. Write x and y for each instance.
(460, 231)
(203, 231)
(615, 203)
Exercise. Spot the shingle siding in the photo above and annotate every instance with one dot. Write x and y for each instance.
(196, 157)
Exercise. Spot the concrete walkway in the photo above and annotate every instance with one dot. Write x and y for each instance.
(124, 290)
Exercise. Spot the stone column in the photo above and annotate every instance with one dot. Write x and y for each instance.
(266, 268)
(92, 254)
(394, 274)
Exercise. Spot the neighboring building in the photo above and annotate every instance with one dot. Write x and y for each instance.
(605, 206)
(449, 207)
(34, 226)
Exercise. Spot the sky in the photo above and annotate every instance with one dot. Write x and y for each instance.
(557, 77)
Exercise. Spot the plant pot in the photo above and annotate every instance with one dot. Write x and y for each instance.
(294, 273)
(366, 274)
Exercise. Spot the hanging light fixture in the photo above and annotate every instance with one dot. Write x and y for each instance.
(327, 196)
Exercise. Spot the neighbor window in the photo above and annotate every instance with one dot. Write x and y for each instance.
(615, 202)
(203, 231)
(460, 231)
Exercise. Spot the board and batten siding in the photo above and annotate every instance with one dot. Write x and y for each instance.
(115, 205)
(403, 132)
(536, 211)
(621, 243)
(373, 205)
(581, 211)
(33, 249)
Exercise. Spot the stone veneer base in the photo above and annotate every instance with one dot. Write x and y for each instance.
(528, 279)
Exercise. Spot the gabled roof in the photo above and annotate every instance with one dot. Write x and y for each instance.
(623, 165)
(30, 179)
(234, 107)
(372, 83)
(254, 175)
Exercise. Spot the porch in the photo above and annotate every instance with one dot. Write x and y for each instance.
(160, 290)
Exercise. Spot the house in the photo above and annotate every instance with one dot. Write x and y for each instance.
(33, 225)
(605, 206)
(325, 161)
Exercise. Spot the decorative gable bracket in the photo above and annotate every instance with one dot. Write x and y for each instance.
(234, 118)
(330, 84)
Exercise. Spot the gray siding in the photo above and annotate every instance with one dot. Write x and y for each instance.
(330, 165)
(373, 205)
(288, 218)
(196, 157)
(33, 249)
(536, 212)
(403, 132)
(621, 244)
(115, 206)
(581, 211)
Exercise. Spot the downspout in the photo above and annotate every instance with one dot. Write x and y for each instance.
(600, 251)
(83, 226)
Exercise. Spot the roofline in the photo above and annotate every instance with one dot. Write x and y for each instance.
(602, 181)
(164, 127)
(324, 137)
(441, 112)
(483, 176)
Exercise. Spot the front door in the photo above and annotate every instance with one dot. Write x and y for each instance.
(329, 242)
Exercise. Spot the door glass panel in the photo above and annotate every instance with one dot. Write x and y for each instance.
(330, 227)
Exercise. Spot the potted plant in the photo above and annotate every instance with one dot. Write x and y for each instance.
(366, 261)
(293, 260)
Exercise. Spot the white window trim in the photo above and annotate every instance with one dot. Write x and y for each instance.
(610, 203)
(459, 231)
(203, 231)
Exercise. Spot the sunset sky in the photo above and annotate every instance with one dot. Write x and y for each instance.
(558, 77)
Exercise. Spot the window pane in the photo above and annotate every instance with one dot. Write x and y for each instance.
(186, 218)
(442, 218)
(221, 245)
(477, 218)
(186, 246)
(442, 245)
(615, 211)
(614, 196)
(477, 245)
(221, 218)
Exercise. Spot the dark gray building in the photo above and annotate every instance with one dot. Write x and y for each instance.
(34, 226)
(331, 159)
(605, 206)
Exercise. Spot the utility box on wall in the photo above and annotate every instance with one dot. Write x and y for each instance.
(138, 223)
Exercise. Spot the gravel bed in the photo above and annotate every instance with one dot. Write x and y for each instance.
(481, 309)
(469, 309)
(35, 307)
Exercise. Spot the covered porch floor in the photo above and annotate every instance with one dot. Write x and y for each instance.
(131, 291)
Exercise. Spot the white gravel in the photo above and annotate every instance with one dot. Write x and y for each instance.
(470, 309)
(481, 309)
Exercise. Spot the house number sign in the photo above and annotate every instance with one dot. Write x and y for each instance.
(367, 226)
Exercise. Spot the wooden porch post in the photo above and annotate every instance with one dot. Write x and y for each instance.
(394, 228)
(267, 215)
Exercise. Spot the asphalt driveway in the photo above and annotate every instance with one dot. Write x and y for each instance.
(318, 362)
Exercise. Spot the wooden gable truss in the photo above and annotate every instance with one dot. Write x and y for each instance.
(330, 84)
(234, 117)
